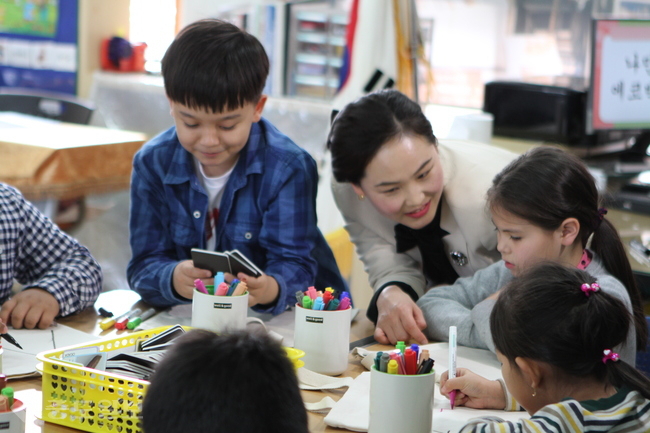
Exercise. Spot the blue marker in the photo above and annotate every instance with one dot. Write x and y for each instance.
(232, 287)
(318, 304)
(218, 279)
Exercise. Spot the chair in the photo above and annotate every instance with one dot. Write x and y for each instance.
(45, 104)
(643, 358)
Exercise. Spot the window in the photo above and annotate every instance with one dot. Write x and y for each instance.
(153, 22)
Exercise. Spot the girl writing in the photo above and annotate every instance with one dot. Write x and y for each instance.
(544, 206)
(554, 329)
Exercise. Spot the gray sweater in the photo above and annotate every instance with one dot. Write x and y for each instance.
(463, 304)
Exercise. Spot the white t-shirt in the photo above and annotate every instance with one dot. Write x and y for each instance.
(214, 187)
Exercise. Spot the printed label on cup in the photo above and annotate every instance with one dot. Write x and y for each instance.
(219, 313)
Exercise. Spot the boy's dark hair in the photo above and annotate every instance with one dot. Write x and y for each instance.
(546, 186)
(545, 316)
(365, 125)
(213, 65)
(228, 383)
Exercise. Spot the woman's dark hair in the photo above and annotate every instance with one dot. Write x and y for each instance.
(546, 186)
(365, 125)
(212, 64)
(544, 315)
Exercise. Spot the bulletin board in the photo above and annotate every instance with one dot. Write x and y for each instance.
(620, 76)
(38, 44)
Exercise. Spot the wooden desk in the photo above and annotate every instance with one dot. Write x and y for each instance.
(29, 390)
(47, 159)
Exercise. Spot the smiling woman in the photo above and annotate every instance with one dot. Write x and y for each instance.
(415, 208)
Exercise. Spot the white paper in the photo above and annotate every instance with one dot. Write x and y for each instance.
(16, 362)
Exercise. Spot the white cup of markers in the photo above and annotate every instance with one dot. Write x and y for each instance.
(12, 410)
(322, 329)
(221, 307)
(402, 383)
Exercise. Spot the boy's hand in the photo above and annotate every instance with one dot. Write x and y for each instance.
(473, 390)
(261, 290)
(399, 319)
(184, 275)
(30, 308)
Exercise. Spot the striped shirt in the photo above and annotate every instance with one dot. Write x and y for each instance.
(626, 411)
(34, 252)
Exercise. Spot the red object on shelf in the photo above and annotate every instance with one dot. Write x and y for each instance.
(134, 63)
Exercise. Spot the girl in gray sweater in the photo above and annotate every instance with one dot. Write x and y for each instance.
(545, 208)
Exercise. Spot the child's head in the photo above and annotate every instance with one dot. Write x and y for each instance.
(384, 146)
(214, 76)
(551, 197)
(548, 317)
(229, 383)
(545, 207)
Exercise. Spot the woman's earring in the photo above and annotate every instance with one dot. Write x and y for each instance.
(361, 197)
(534, 392)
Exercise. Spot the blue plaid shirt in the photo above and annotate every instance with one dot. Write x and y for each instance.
(268, 212)
(34, 252)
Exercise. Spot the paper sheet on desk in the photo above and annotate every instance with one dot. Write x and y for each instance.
(16, 362)
(352, 411)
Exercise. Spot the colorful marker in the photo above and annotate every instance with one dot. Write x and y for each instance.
(452, 362)
(232, 287)
(134, 322)
(344, 304)
(109, 322)
(9, 393)
(392, 368)
(200, 286)
(240, 289)
(124, 320)
(222, 290)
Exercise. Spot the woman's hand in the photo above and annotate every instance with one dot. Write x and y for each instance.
(473, 390)
(398, 319)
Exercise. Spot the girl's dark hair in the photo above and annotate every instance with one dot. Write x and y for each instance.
(214, 65)
(545, 316)
(365, 125)
(546, 186)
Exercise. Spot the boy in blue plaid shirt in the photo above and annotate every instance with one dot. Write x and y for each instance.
(58, 275)
(224, 178)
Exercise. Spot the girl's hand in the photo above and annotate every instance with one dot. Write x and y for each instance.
(261, 290)
(473, 390)
(399, 319)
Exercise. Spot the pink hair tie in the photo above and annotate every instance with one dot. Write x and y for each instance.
(588, 289)
(601, 213)
(608, 355)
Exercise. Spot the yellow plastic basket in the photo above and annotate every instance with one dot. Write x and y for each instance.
(97, 401)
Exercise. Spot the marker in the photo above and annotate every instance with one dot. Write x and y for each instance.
(318, 304)
(329, 289)
(452, 362)
(134, 322)
(109, 322)
(4, 404)
(311, 291)
(383, 362)
(344, 304)
(299, 295)
(333, 305)
(122, 321)
(104, 312)
(306, 302)
(200, 286)
(327, 297)
(222, 290)
(9, 393)
(426, 368)
(411, 361)
(392, 367)
(240, 289)
(218, 279)
(400, 346)
(233, 286)
(11, 340)
(378, 360)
